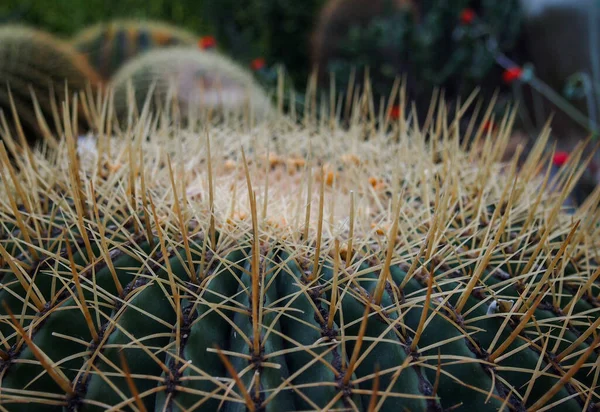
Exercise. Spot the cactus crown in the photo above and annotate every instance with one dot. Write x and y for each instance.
(294, 265)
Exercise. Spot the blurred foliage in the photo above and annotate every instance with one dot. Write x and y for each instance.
(439, 49)
(276, 30)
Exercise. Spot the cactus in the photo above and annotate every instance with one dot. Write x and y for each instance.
(111, 44)
(199, 79)
(35, 61)
(296, 268)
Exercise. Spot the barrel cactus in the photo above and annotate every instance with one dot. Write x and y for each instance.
(194, 79)
(285, 267)
(36, 67)
(109, 45)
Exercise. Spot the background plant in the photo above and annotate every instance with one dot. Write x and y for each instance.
(276, 30)
(435, 44)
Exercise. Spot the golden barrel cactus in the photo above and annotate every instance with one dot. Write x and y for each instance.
(281, 267)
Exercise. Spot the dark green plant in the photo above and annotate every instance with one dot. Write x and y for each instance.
(67, 17)
(434, 43)
(277, 30)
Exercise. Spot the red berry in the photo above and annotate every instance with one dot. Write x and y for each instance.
(489, 125)
(560, 158)
(258, 63)
(395, 112)
(207, 42)
(512, 74)
(467, 16)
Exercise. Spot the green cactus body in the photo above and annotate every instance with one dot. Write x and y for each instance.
(170, 275)
(32, 60)
(197, 80)
(109, 45)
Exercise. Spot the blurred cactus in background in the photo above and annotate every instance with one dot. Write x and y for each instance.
(109, 45)
(37, 69)
(192, 80)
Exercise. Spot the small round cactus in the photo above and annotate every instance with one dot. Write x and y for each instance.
(197, 80)
(35, 67)
(109, 45)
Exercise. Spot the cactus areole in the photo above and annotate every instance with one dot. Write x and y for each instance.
(284, 267)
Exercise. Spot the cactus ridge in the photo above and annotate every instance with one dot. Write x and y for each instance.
(37, 67)
(109, 45)
(283, 267)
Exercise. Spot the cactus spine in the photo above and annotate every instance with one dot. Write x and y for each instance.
(309, 270)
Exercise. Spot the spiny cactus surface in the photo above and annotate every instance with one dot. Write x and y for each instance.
(190, 80)
(109, 45)
(37, 67)
(285, 268)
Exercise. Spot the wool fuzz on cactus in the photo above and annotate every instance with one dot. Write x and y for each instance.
(38, 69)
(109, 45)
(287, 268)
(193, 79)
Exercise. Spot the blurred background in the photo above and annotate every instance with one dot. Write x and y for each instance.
(543, 54)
